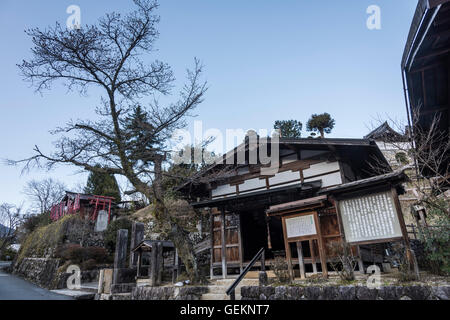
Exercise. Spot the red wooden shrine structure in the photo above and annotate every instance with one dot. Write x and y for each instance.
(82, 204)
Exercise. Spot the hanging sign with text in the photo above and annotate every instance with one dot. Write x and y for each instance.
(370, 217)
(300, 226)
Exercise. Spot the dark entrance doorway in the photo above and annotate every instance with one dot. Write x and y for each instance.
(255, 231)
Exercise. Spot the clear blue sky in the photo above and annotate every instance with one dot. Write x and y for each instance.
(264, 60)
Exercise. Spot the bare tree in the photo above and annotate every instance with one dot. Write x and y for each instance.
(43, 194)
(128, 139)
(429, 151)
(10, 219)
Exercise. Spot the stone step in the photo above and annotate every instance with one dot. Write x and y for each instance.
(229, 282)
(76, 294)
(255, 274)
(218, 296)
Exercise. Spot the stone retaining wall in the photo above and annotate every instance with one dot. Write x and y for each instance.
(413, 292)
(40, 271)
(168, 293)
(44, 273)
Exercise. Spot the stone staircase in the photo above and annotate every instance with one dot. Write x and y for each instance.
(217, 288)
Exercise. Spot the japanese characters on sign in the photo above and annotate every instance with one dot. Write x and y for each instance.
(370, 217)
(300, 226)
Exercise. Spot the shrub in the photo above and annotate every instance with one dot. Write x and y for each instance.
(77, 254)
(70, 252)
(281, 270)
(342, 260)
(88, 264)
(437, 239)
(33, 221)
(398, 257)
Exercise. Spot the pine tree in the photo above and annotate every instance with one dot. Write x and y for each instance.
(102, 184)
(289, 128)
(322, 123)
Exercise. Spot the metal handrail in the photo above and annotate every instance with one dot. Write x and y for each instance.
(260, 254)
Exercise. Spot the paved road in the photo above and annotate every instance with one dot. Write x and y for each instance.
(15, 288)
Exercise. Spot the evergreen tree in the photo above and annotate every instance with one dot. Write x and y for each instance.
(289, 128)
(322, 123)
(103, 184)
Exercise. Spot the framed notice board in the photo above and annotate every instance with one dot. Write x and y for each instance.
(300, 227)
(371, 218)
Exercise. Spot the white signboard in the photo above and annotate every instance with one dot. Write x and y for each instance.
(300, 226)
(371, 217)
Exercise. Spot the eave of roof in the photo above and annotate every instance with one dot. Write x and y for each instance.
(302, 186)
(398, 176)
(425, 11)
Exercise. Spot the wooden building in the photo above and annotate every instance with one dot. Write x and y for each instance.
(85, 205)
(293, 211)
(426, 70)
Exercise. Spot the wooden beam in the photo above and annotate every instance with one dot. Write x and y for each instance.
(433, 54)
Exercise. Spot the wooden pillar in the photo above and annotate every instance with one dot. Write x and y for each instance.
(321, 245)
(313, 256)
(224, 245)
(153, 265)
(287, 248)
(159, 263)
(360, 261)
(211, 232)
(301, 262)
(238, 230)
(138, 264)
(409, 255)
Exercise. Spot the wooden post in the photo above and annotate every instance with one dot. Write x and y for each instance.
(360, 262)
(301, 262)
(211, 232)
(313, 256)
(224, 245)
(138, 264)
(238, 230)
(288, 250)
(160, 263)
(322, 249)
(409, 254)
(175, 268)
(153, 265)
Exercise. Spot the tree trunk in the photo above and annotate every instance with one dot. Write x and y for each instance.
(177, 234)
